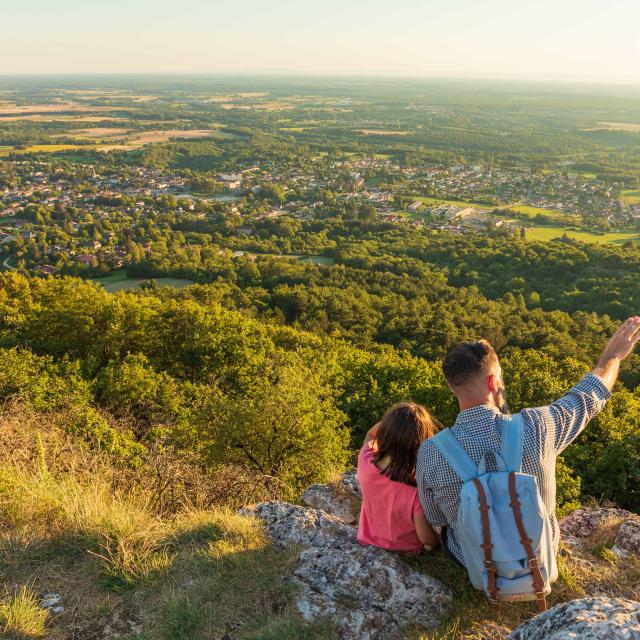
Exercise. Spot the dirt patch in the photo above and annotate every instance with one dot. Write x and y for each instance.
(164, 136)
(382, 132)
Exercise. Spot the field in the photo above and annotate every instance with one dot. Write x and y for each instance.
(546, 233)
(96, 132)
(622, 126)
(61, 107)
(535, 211)
(324, 260)
(38, 148)
(437, 202)
(631, 197)
(148, 137)
(118, 281)
(38, 117)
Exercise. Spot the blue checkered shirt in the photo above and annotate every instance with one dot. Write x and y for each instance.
(547, 431)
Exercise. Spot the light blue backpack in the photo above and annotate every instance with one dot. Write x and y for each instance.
(503, 526)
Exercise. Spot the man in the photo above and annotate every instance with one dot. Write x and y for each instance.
(473, 373)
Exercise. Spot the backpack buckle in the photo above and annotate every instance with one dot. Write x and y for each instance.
(533, 563)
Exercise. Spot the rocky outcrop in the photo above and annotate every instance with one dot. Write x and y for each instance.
(289, 524)
(367, 592)
(596, 618)
(585, 523)
(628, 539)
(342, 499)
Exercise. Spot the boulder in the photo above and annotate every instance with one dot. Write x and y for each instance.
(628, 539)
(342, 499)
(583, 523)
(349, 483)
(367, 592)
(289, 524)
(329, 498)
(594, 618)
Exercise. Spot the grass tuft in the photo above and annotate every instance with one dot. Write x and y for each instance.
(21, 615)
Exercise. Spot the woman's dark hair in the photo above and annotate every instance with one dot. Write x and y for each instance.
(401, 431)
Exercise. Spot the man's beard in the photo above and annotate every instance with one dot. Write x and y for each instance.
(502, 403)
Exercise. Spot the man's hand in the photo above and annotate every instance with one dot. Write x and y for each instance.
(617, 349)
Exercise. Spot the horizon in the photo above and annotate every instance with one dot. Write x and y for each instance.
(574, 41)
(529, 82)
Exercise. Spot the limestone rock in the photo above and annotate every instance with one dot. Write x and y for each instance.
(367, 592)
(349, 482)
(289, 524)
(582, 523)
(52, 602)
(341, 504)
(376, 590)
(594, 618)
(628, 539)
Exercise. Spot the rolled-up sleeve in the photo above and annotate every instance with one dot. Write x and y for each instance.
(564, 420)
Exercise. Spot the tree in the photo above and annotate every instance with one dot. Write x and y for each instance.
(273, 192)
(367, 212)
(285, 427)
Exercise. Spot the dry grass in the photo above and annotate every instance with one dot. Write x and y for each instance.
(74, 523)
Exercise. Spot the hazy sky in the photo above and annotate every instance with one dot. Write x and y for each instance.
(553, 39)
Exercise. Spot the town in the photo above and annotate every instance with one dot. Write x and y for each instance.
(79, 219)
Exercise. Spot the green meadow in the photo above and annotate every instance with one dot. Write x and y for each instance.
(546, 233)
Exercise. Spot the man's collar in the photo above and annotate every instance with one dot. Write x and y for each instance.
(474, 413)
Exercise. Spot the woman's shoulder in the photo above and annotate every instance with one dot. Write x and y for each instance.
(366, 454)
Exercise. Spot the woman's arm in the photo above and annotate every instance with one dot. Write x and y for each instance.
(371, 434)
(426, 534)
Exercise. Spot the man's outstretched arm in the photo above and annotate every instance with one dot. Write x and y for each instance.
(618, 348)
(561, 422)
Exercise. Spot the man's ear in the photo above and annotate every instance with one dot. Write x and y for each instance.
(492, 382)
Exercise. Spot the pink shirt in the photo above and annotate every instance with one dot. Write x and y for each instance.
(388, 507)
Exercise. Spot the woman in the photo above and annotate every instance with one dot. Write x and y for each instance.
(391, 515)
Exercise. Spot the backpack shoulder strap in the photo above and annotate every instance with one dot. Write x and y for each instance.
(455, 455)
(512, 437)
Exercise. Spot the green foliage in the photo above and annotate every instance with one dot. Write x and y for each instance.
(567, 489)
(132, 387)
(221, 388)
(88, 424)
(272, 192)
(285, 427)
(608, 454)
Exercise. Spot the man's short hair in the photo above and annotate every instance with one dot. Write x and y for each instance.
(467, 361)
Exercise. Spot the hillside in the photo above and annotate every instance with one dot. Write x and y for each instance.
(136, 425)
(114, 561)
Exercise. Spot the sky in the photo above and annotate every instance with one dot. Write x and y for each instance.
(579, 40)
